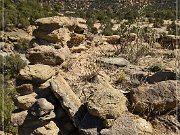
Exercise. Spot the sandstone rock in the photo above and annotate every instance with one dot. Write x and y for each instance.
(57, 21)
(47, 55)
(61, 35)
(76, 39)
(78, 49)
(25, 102)
(128, 124)
(158, 97)
(121, 62)
(48, 129)
(106, 102)
(115, 39)
(68, 99)
(41, 107)
(17, 119)
(25, 89)
(37, 73)
(4, 133)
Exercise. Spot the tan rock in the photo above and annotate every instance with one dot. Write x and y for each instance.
(76, 39)
(25, 102)
(78, 49)
(68, 99)
(47, 55)
(106, 102)
(37, 73)
(61, 35)
(48, 129)
(17, 119)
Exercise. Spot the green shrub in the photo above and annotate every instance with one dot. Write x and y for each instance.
(173, 28)
(11, 65)
(22, 45)
(7, 106)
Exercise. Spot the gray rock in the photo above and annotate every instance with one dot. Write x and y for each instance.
(121, 62)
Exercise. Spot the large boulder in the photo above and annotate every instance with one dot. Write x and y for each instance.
(47, 55)
(61, 35)
(25, 102)
(158, 97)
(77, 24)
(36, 73)
(48, 129)
(68, 99)
(129, 124)
(106, 102)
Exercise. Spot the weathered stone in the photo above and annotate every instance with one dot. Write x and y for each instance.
(78, 49)
(128, 124)
(47, 55)
(41, 107)
(17, 119)
(48, 129)
(121, 62)
(25, 102)
(68, 99)
(61, 35)
(76, 39)
(36, 73)
(158, 97)
(106, 102)
(25, 89)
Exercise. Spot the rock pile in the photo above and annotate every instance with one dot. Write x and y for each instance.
(56, 95)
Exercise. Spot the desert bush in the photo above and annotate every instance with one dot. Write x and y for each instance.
(24, 13)
(173, 28)
(11, 65)
(158, 23)
(22, 45)
(7, 107)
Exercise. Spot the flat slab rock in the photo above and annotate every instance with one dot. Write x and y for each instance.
(68, 99)
(115, 61)
(36, 73)
(162, 96)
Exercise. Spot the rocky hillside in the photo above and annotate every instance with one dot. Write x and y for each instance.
(79, 83)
